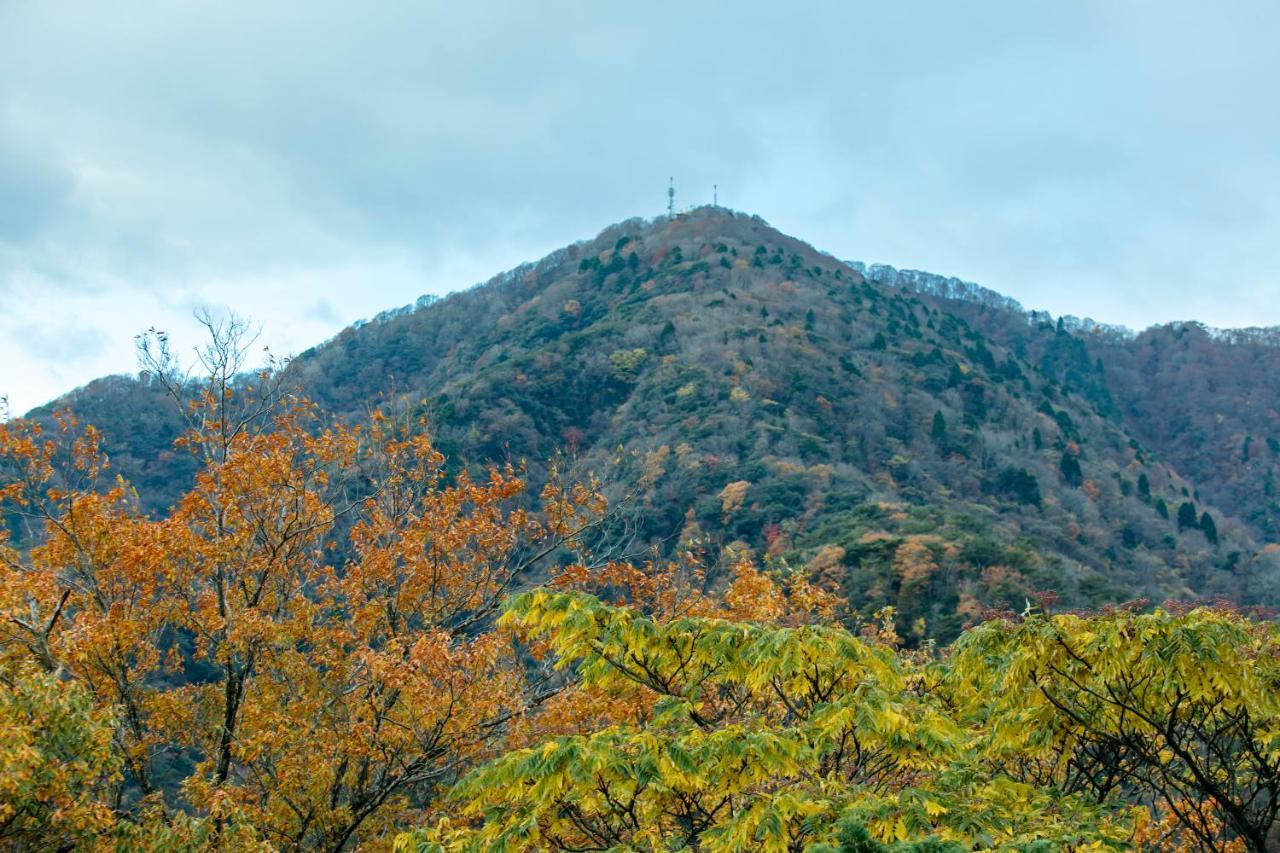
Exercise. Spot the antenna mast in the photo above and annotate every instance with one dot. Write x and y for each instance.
(715, 195)
(671, 196)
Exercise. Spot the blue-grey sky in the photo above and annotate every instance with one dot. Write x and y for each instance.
(309, 164)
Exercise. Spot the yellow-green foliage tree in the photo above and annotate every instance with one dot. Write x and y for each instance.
(1180, 708)
(56, 759)
(761, 738)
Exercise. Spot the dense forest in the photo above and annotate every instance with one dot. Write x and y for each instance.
(934, 449)
(688, 537)
(334, 640)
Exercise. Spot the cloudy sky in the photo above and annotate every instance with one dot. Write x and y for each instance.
(309, 164)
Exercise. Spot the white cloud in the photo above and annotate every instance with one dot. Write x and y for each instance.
(1113, 160)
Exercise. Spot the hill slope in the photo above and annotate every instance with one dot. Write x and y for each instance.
(938, 455)
(1207, 400)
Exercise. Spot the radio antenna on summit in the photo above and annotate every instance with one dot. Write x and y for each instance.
(671, 196)
(715, 195)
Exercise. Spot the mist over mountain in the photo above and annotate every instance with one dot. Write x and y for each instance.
(905, 439)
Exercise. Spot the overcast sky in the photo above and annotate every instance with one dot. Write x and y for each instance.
(309, 164)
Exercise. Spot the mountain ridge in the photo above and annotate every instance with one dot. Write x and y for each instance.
(909, 448)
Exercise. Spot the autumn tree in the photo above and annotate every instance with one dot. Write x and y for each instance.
(56, 757)
(1180, 708)
(1046, 732)
(760, 738)
(310, 626)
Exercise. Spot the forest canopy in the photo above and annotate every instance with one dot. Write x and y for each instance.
(335, 640)
(934, 450)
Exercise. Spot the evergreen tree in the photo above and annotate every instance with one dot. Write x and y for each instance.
(1187, 516)
(1021, 484)
(1144, 486)
(939, 429)
(1071, 469)
(1209, 529)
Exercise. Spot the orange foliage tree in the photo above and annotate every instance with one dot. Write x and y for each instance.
(303, 646)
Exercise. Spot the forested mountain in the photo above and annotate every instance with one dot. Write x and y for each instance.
(938, 450)
(1206, 400)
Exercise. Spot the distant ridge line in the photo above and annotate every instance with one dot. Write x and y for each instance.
(909, 280)
(951, 287)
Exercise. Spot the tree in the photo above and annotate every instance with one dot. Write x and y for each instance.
(626, 363)
(56, 758)
(1070, 467)
(312, 623)
(1144, 486)
(854, 838)
(1187, 518)
(1209, 529)
(938, 432)
(733, 495)
(758, 738)
(1180, 707)
(1020, 484)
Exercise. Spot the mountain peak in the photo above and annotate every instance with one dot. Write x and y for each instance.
(914, 445)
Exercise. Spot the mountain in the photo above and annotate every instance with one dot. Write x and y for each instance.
(1207, 400)
(909, 440)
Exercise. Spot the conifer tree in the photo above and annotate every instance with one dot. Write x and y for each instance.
(939, 429)
(1209, 528)
(1187, 518)
(1070, 467)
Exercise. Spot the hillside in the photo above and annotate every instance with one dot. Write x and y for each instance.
(1207, 400)
(942, 455)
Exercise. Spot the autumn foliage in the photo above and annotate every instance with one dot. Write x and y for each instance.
(1124, 730)
(302, 651)
(334, 640)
